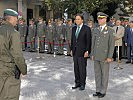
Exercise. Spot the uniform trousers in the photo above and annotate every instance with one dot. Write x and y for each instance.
(101, 70)
(9, 88)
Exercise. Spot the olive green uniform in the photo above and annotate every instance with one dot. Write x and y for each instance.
(41, 29)
(102, 48)
(60, 35)
(68, 37)
(10, 41)
(22, 29)
(31, 35)
(50, 38)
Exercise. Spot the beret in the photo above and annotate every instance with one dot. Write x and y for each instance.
(10, 12)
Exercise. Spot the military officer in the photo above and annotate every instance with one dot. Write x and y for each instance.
(50, 37)
(22, 28)
(69, 34)
(31, 34)
(10, 55)
(41, 29)
(102, 51)
(60, 33)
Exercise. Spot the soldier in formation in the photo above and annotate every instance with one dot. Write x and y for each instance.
(22, 29)
(41, 33)
(50, 33)
(32, 34)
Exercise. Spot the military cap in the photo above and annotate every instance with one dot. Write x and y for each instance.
(101, 15)
(126, 19)
(10, 12)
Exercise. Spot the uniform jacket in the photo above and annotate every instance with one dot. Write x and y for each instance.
(129, 37)
(60, 32)
(102, 43)
(10, 40)
(82, 43)
(50, 32)
(22, 29)
(41, 29)
(31, 31)
(119, 34)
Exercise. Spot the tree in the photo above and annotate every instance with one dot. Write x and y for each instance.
(73, 7)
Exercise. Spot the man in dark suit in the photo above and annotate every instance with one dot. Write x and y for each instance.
(129, 42)
(80, 50)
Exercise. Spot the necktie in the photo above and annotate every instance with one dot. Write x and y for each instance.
(101, 28)
(77, 32)
(116, 29)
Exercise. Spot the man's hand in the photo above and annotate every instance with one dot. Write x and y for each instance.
(22, 76)
(116, 38)
(86, 54)
(109, 60)
(43, 36)
(71, 53)
(92, 57)
(125, 44)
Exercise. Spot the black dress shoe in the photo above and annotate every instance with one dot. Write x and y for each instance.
(128, 62)
(101, 95)
(76, 86)
(132, 62)
(82, 87)
(96, 94)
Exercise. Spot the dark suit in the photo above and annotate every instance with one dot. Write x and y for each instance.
(79, 46)
(129, 41)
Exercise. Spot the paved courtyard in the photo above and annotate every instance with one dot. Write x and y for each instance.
(51, 78)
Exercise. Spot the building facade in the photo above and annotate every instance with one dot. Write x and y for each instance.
(26, 8)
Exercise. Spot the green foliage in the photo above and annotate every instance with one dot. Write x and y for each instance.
(77, 6)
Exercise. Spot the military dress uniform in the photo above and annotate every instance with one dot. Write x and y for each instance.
(22, 29)
(50, 38)
(60, 34)
(10, 55)
(31, 35)
(68, 37)
(103, 44)
(41, 29)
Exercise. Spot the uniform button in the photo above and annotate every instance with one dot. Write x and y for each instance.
(99, 37)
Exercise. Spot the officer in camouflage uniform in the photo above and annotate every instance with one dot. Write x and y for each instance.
(60, 35)
(10, 55)
(31, 34)
(50, 37)
(103, 44)
(68, 35)
(22, 29)
(41, 29)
